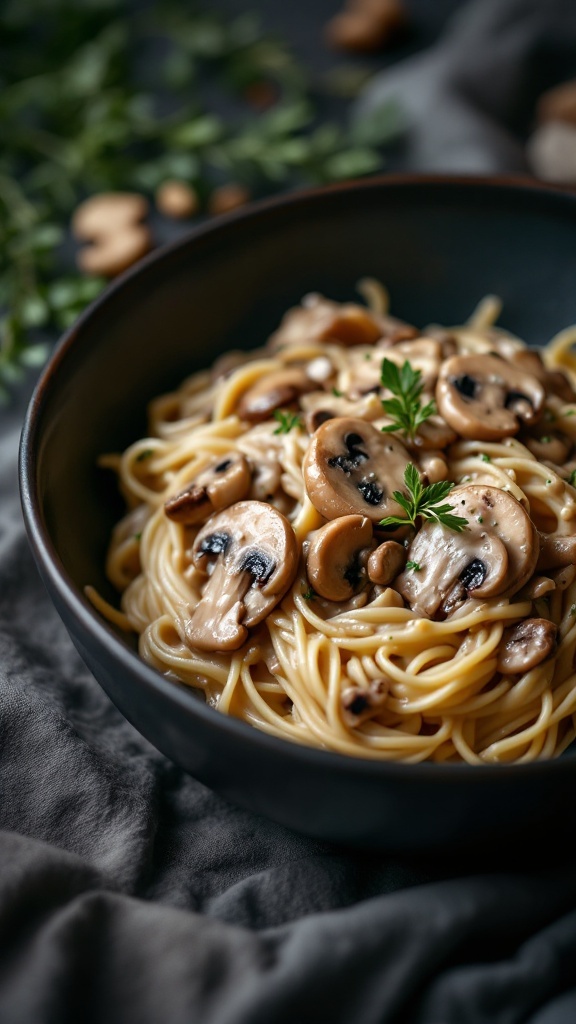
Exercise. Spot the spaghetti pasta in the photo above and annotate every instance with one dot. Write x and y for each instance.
(375, 667)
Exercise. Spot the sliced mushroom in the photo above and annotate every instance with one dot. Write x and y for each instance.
(526, 645)
(434, 433)
(321, 320)
(386, 561)
(225, 481)
(250, 555)
(555, 552)
(337, 556)
(359, 703)
(273, 391)
(434, 466)
(549, 446)
(492, 557)
(350, 467)
(486, 398)
(554, 381)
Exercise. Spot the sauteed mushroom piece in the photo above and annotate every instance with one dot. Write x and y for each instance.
(351, 467)
(555, 551)
(549, 446)
(358, 703)
(250, 555)
(492, 557)
(526, 645)
(386, 561)
(337, 556)
(484, 397)
(555, 381)
(322, 320)
(225, 481)
(273, 391)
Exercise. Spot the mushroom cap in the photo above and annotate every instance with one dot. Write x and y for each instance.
(225, 481)
(386, 561)
(337, 555)
(250, 555)
(484, 397)
(322, 320)
(273, 390)
(353, 468)
(493, 556)
(526, 645)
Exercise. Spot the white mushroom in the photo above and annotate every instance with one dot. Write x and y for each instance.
(225, 481)
(385, 562)
(250, 556)
(493, 556)
(321, 320)
(484, 397)
(337, 556)
(526, 645)
(351, 467)
(273, 391)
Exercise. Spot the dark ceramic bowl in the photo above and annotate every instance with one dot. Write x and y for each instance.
(439, 245)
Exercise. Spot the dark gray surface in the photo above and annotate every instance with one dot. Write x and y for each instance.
(129, 893)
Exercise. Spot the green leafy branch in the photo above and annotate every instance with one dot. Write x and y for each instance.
(405, 409)
(79, 117)
(424, 502)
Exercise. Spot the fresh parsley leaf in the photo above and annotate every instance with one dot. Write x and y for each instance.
(425, 502)
(286, 421)
(309, 595)
(415, 566)
(484, 457)
(405, 409)
(572, 478)
(144, 454)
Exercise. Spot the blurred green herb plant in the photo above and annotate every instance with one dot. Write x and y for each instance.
(94, 97)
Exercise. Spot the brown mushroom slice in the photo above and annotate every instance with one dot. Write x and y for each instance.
(526, 645)
(385, 562)
(337, 556)
(352, 468)
(273, 391)
(549, 446)
(492, 557)
(485, 398)
(555, 552)
(322, 320)
(434, 433)
(250, 555)
(225, 481)
(359, 703)
(554, 381)
(434, 466)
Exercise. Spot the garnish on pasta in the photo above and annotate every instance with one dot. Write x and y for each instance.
(362, 536)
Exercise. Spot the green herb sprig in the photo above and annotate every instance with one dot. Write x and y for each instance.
(286, 421)
(405, 409)
(424, 502)
(80, 115)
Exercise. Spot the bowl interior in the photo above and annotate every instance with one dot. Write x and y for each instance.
(438, 246)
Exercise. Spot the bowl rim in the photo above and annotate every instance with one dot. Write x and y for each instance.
(88, 618)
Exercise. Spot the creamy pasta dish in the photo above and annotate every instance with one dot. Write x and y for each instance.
(362, 536)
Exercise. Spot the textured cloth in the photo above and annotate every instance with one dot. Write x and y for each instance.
(130, 893)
